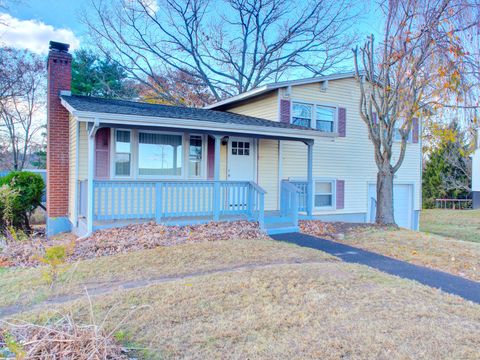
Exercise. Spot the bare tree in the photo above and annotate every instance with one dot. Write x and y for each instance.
(21, 104)
(229, 46)
(418, 62)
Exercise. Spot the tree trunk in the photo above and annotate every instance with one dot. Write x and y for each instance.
(384, 214)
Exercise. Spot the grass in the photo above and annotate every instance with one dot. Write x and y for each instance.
(328, 310)
(26, 286)
(435, 251)
(458, 224)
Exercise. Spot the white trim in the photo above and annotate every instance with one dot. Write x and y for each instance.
(75, 204)
(273, 86)
(333, 182)
(204, 170)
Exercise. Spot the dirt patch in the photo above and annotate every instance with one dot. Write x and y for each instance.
(126, 239)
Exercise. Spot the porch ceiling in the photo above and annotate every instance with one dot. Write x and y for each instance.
(108, 112)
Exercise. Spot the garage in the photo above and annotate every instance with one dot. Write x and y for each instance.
(402, 204)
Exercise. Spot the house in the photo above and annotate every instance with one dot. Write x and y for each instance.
(276, 154)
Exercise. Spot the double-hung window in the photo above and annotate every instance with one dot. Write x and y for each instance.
(195, 156)
(123, 153)
(302, 114)
(325, 118)
(322, 118)
(159, 155)
(324, 194)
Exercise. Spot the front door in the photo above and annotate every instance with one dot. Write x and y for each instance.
(241, 159)
(241, 167)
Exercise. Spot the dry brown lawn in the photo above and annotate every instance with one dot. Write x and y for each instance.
(24, 286)
(434, 251)
(327, 310)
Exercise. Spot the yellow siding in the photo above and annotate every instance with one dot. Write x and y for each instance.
(349, 158)
(72, 181)
(268, 171)
(223, 162)
(82, 151)
(265, 106)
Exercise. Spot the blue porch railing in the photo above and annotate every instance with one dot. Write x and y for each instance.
(302, 187)
(167, 200)
(289, 196)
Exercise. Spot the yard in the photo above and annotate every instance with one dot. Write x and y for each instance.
(458, 224)
(250, 299)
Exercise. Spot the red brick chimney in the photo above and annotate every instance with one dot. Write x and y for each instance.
(58, 79)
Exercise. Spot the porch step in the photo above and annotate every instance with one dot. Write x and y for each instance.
(280, 228)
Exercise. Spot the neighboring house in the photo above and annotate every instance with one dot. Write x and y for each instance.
(275, 154)
(476, 173)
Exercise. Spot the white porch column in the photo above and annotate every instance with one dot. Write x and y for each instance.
(91, 169)
(310, 178)
(216, 178)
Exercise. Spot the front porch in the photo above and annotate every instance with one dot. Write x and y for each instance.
(138, 172)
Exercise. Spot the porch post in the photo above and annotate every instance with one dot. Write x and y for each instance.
(216, 178)
(310, 179)
(91, 169)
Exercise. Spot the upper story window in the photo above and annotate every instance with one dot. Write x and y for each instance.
(321, 117)
(123, 152)
(325, 118)
(159, 154)
(302, 114)
(396, 133)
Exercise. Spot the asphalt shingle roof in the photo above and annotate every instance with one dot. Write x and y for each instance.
(113, 106)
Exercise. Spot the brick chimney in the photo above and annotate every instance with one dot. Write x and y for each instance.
(58, 79)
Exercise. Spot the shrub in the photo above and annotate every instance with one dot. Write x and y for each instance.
(54, 257)
(24, 197)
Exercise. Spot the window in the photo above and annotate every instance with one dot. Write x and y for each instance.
(240, 148)
(325, 118)
(323, 194)
(123, 153)
(396, 134)
(309, 115)
(195, 155)
(302, 114)
(159, 154)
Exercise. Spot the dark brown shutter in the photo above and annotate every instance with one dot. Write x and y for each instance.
(340, 192)
(285, 111)
(375, 118)
(342, 122)
(102, 153)
(415, 130)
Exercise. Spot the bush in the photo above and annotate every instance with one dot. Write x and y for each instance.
(21, 193)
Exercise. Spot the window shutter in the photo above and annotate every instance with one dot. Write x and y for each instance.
(415, 130)
(102, 153)
(285, 111)
(340, 194)
(375, 118)
(342, 122)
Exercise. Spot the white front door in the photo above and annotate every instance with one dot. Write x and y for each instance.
(241, 159)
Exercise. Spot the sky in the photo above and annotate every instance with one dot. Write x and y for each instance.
(33, 23)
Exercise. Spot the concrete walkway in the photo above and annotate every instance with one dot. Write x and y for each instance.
(452, 284)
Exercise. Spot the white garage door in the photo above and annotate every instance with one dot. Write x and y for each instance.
(402, 204)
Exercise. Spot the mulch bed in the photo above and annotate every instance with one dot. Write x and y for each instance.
(330, 230)
(128, 238)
